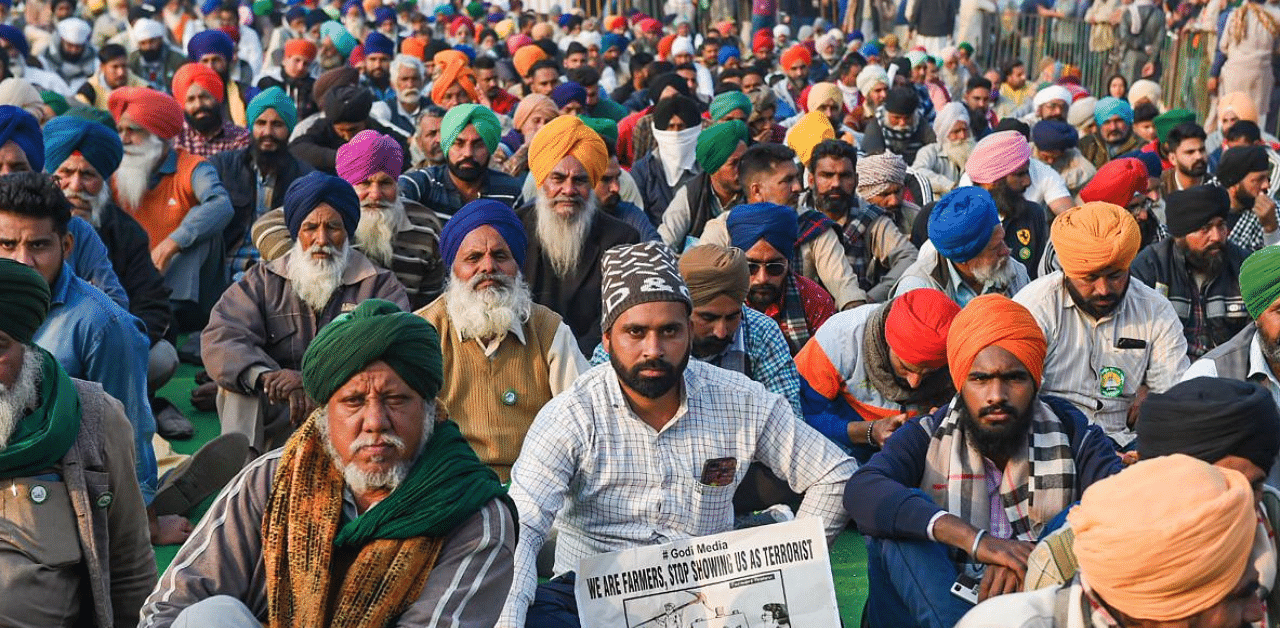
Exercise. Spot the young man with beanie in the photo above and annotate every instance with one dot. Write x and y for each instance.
(1198, 268)
(598, 454)
(1245, 172)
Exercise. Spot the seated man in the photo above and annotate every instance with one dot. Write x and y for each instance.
(966, 255)
(871, 368)
(261, 327)
(967, 489)
(1112, 339)
(715, 189)
(504, 355)
(205, 132)
(1198, 269)
(68, 458)
(1001, 165)
(345, 113)
(1179, 559)
(592, 459)
(469, 135)
(439, 543)
(1245, 173)
(881, 181)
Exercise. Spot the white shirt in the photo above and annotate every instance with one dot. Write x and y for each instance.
(1047, 185)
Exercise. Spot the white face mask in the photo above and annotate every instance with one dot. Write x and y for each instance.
(678, 150)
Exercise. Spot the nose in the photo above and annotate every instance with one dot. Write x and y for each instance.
(323, 237)
(914, 379)
(1101, 287)
(487, 265)
(375, 419)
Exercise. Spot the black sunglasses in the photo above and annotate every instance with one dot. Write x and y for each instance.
(774, 269)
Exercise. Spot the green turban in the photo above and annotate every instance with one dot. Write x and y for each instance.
(717, 142)
(375, 330)
(25, 302)
(725, 103)
(272, 98)
(1169, 119)
(56, 101)
(459, 117)
(1260, 280)
(608, 129)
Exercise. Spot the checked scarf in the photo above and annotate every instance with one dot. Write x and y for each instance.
(854, 234)
(1037, 485)
(900, 142)
(794, 325)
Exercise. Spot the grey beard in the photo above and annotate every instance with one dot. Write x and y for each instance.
(490, 312)
(97, 204)
(958, 152)
(563, 238)
(24, 394)
(134, 173)
(361, 481)
(315, 281)
(997, 274)
(1270, 350)
(379, 224)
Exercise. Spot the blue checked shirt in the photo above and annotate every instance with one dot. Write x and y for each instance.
(612, 482)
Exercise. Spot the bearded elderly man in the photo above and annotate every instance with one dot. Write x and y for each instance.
(1001, 165)
(296, 539)
(963, 493)
(204, 132)
(965, 255)
(504, 355)
(942, 162)
(1113, 338)
(264, 323)
(177, 197)
(872, 368)
(898, 126)
(594, 461)
(469, 135)
(75, 544)
(881, 181)
(567, 232)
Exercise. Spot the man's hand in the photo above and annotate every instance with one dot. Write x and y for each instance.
(999, 580)
(1006, 553)
(882, 429)
(278, 385)
(1264, 207)
(1136, 405)
(163, 254)
(300, 407)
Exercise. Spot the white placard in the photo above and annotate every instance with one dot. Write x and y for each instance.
(772, 576)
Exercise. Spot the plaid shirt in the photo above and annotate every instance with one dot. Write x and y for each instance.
(816, 305)
(611, 482)
(229, 137)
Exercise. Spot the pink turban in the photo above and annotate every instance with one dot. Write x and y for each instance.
(997, 156)
(368, 153)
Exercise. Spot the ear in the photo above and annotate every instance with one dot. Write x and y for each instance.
(68, 243)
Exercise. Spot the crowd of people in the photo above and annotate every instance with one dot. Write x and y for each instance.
(480, 290)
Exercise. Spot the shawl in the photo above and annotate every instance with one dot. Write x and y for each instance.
(41, 438)
(933, 389)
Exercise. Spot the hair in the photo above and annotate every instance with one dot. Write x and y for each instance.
(1112, 78)
(488, 32)
(575, 48)
(433, 111)
(726, 87)
(408, 61)
(111, 51)
(526, 19)
(585, 76)
(35, 195)
(548, 47)
(1193, 131)
(853, 59)
(760, 159)
(1246, 130)
(484, 62)
(686, 66)
(1008, 67)
(752, 68)
(1144, 112)
(543, 64)
(833, 148)
(976, 83)
(709, 41)
(730, 73)
(639, 61)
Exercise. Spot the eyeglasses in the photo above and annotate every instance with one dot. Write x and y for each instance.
(774, 269)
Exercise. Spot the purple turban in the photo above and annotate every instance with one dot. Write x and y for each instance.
(377, 43)
(568, 92)
(367, 153)
(479, 213)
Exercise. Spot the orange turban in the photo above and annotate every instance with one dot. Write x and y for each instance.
(154, 111)
(300, 47)
(664, 47)
(794, 54)
(414, 47)
(808, 132)
(198, 74)
(1241, 104)
(994, 320)
(917, 325)
(454, 67)
(525, 57)
(1176, 554)
(1095, 236)
(564, 136)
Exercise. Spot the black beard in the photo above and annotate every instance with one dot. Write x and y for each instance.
(1092, 307)
(1002, 442)
(834, 203)
(151, 56)
(650, 387)
(380, 80)
(66, 56)
(1197, 170)
(1208, 261)
(710, 346)
(206, 123)
(1245, 199)
(1008, 202)
(267, 161)
(609, 202)
(762, 295)
(468, 170)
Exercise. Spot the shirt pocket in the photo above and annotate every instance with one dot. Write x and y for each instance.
(711, 507)
(38, 522)
(1121, 371)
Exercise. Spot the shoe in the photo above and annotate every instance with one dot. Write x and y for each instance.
(201, 475)
(170, 424)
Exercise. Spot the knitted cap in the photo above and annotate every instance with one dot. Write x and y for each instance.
(639, 273)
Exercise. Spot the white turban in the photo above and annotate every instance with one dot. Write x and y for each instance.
(782, 29)
(74, 31)
(869, 76)
(1051, 93)
(947, 117)
(682, 46)
(145, 29)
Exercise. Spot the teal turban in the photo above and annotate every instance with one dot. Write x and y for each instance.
(375, 330)
(1260, 280)
(272, 98)
(725, 103)
(100, 145)
(1110, 107)
(342, 40)
(25, 302)
(717, 143)
(608, 129)
(459, 117)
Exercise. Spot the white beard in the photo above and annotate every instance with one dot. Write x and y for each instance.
(131, 178)
(24, 394)
(958, 152)
(361, 481)
(97, 203)
(379, 224)
(562, 238)
(409, 96)
(998, 274)
(315, 280)
(489, 312)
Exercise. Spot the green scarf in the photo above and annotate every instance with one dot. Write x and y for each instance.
(446, 486)
(41, 438)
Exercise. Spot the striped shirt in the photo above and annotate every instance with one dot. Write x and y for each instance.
(433, 187)
(611, 482)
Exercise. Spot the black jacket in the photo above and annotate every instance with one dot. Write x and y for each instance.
(235, 168)
(319, 145)
(1163, 266)
(130, 252)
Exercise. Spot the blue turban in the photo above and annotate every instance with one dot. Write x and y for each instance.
(383, 13)
(1054, 135)
(568, 92)
(728, 52)
(209, 6)
(377, 43)
(475, 214)
(101, 146)
(855, 35)
(307, 192)
(21, 128)
(870, 49)
(1110, 107)
(272, 98)
(466, 50)
(316, 18)
(352, 4)
(14, 36)
(441, 9)
(613, 40)
(961, 223)
(295, 13)
(210, 42)
(564, 19)
(775, 224)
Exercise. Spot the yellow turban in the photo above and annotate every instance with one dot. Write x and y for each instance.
(808, 133)
(564, 136)
(1179, 552)
(823, 93)
(1095, 236)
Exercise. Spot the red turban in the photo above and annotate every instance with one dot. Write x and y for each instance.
(1093, 237)
(154, 111)
(994, 320)
(615, 22)
(762, 41)
(303, 48)
(917, 326)
(664, 46)
(1117, 182)
(457, 69)
(197, 74)
(794, 54)
(459, 22)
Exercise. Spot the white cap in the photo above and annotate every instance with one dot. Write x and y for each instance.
(74, 31)
(144, 29)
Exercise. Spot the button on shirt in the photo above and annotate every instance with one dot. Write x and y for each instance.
(612, 482)
(1086, 364)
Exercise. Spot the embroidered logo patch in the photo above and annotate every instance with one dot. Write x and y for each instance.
(1024, 236)
(1024, 253)
(1111, 381)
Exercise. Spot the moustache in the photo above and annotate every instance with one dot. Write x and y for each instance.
(502, 281)
(373, 440)
(998, 407)
(653, 365)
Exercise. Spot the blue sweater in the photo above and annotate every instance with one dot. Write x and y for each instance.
(880, 495)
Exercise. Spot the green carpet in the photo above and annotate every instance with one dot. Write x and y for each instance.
(848, 556)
